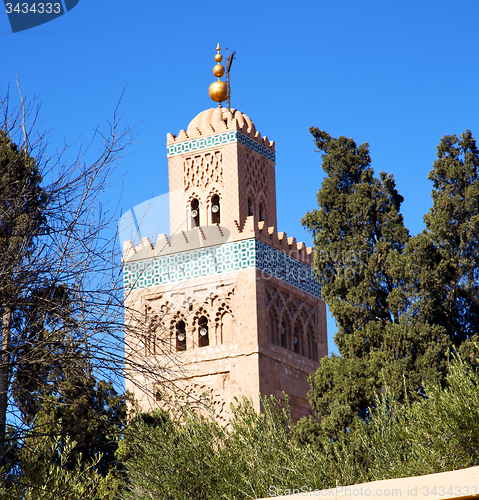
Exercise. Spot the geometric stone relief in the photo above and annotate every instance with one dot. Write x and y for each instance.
(292, 322)
(203, 397)
(201, 394)
(255, 174)
(203, 169)
(164, 311)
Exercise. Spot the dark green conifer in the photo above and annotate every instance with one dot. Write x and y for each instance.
(401, 303)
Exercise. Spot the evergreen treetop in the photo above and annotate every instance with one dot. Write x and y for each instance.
(401, 302)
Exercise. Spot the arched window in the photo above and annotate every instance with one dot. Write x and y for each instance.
(195, 213)
(314, 346)
(180, 336)
(272, 327)
(250, 206)
(215, 209)
(227, 329)
(296, 341)
(284, 334)
(150, 344)
(203, 333)
(261, 212)
(306, 345)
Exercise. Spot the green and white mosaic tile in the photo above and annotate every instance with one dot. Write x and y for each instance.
(221, 259)
(219, 139)
(254, 146)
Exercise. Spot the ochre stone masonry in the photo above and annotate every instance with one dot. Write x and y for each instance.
(227, 306)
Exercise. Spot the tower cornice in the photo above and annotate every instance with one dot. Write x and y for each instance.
(217, 126)
(263, 148)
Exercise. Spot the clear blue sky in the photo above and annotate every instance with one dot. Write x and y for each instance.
(398, 75)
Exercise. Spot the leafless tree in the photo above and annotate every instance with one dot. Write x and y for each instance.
(60, 279)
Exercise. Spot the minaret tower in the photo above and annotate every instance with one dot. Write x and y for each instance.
(231, 307)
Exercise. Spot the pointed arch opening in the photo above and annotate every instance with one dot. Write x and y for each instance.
(250, 206)
(297, 339)
(273, 322)
(285, 332)
(203, 332)
(261, 212)
(150, 344)
(306, 345)
(215, 209)
(226, 328)
(180, 336)
(195, 212)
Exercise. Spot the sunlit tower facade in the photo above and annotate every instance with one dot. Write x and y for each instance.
(230, 306)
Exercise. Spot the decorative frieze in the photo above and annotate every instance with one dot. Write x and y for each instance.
(219, 259)
(219, 139)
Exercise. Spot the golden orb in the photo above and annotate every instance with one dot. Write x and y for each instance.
(219, 70)
(218, 56)
(218, 91)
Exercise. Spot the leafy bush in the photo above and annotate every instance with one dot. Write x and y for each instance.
(262, 455)
(437, 434)
(194, 457)
(44, 474)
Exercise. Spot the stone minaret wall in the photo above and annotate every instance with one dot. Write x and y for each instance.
(228, 158)
(252, 287)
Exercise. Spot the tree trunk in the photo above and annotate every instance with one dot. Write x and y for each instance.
(4, 379)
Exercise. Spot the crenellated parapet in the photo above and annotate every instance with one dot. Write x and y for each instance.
(143, 268)
(206, 236)
(280, 241)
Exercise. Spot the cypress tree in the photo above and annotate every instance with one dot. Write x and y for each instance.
(401, 303)
(444, 259)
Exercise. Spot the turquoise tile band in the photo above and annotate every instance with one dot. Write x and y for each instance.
(217, 140)
(219, 259)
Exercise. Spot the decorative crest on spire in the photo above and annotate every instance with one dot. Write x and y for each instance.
(218, 90)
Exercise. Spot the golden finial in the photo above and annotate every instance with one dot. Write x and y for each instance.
(218, 90)
(218, 56)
